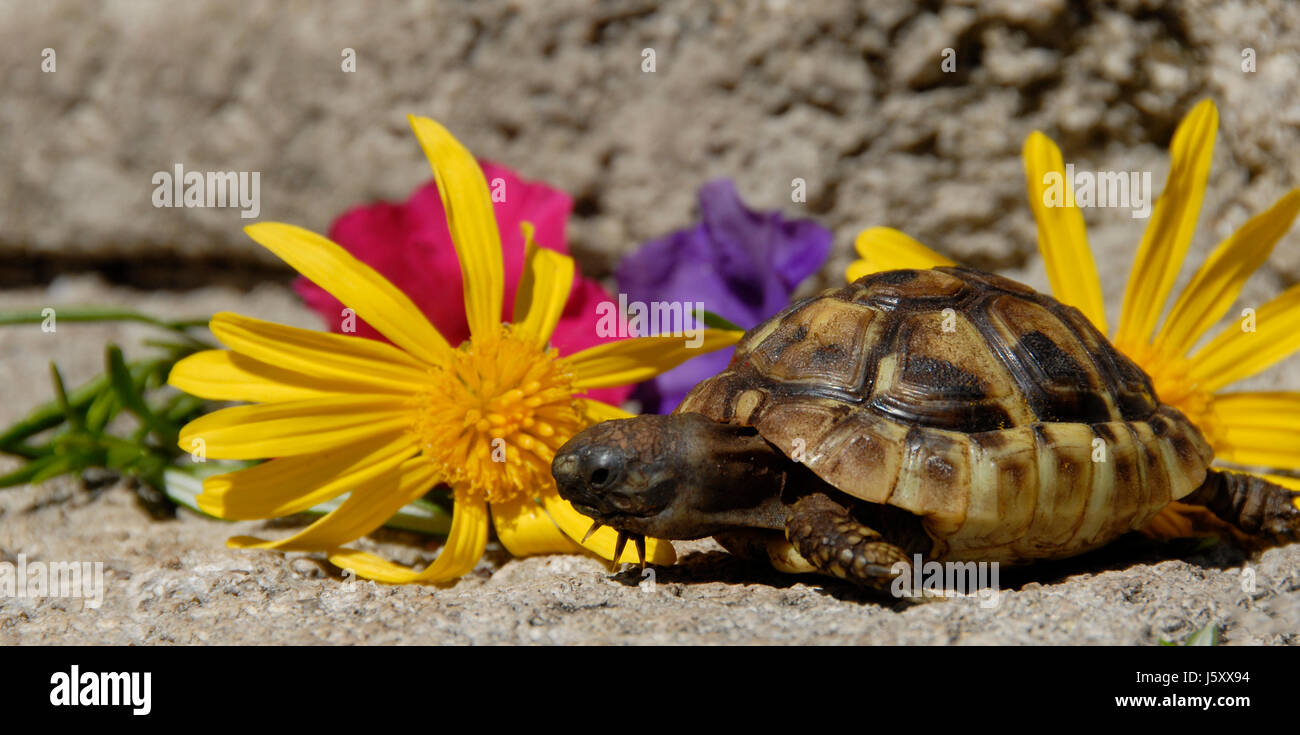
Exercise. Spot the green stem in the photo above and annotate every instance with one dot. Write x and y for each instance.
(97, 314)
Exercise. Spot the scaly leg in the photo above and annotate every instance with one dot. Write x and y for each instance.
(1252, 504)
(831, 539)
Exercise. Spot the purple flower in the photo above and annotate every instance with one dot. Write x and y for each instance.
(740, 264)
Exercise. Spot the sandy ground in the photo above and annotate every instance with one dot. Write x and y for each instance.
(174, 581)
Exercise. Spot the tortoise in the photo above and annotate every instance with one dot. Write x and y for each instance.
(948, 412)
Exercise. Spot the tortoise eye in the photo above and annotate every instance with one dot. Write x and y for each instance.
(599, 477)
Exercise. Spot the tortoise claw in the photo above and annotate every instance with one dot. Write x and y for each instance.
(595, 526)
(618, 551)
(640, 550)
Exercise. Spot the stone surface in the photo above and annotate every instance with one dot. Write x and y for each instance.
(850, 97)
(174, 582)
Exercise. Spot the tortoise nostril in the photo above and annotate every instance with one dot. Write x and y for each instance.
(599, 477)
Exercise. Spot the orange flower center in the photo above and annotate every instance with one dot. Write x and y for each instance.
(492, 420)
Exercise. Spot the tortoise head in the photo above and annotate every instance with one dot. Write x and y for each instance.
(683, 476)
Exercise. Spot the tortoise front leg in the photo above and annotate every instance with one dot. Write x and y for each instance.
(826, 534)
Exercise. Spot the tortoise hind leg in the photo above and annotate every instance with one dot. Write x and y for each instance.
(1252, 504)
(826, 534)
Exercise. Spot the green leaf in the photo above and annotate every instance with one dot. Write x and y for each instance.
(23, 475)
(79, 417)
(1207, 636)
(129, 394)
(61, 397)
(123, 457)
(60, 465)
(713, 321)
(151, 469)
(28, 451)
(180, 407)
(102, 410)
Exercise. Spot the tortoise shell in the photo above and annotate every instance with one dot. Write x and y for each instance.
(999, 415)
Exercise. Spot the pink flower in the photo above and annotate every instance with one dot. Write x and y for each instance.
(409, 244)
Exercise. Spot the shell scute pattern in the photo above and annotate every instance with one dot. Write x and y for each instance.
(940, 375)
(1059, 379)
(1131, 389)
(821, 347)
(1000, 416)
(909, 288)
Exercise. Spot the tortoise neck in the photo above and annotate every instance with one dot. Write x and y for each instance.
(743, 478)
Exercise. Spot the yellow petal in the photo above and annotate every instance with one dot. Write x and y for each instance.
(290, 485)
(1219, 280)
(887, 249)
(464, 547)
(1265, 409)
(858, 269)
(1173, 220)
(366, 509)
(1182, 520)
(1236, 354)
(357, 285)
(1260, 448)
(602, 542)
(473, 224)
(222, 375)
(1257, 428)
(1171, 522)
(543, 290)
(633, 360)
(597, 411)
(356, 364)
(1062, 237)
(293, 427)
(524, 528)
(1290, 483)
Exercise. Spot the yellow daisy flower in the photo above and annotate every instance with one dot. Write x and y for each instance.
(387, 422)
(1245, 428)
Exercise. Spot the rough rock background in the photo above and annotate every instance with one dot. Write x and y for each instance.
(849, 97)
